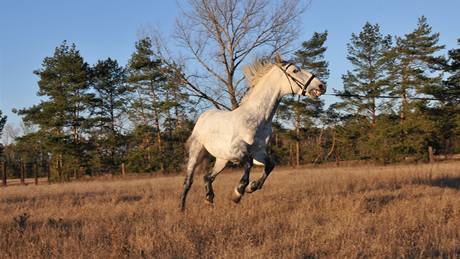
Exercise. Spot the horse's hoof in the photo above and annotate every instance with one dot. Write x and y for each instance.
(237, 196)
(251, 187)
(209, 203)
(210, 198)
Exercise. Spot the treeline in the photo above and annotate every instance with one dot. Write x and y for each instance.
(100, 118)
(400, 100)
(94, 118)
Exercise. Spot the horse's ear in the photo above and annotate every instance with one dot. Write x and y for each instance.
(278, 58)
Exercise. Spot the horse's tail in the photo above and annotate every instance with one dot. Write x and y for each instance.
(188, 142)
(203, 163)
(197, 162)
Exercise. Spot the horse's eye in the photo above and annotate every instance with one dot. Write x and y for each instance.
(295, 70)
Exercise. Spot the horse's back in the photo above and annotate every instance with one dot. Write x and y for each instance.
(212, 124)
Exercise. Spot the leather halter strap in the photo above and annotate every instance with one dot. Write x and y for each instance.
(298, 83)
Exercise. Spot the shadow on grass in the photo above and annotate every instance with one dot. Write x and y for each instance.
(444, 182)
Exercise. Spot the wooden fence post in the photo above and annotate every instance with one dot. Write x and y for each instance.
(337, 159)
(430, 154)
(48, 172)
(3, 166)
(123, 169)
(23, 173)
(81, 171)
(35, 169)
(59, 168)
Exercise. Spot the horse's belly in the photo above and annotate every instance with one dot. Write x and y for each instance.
(226, 148)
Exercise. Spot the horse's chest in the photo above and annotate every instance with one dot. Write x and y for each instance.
(263, 134)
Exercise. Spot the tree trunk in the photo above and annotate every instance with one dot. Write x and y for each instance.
(297, 140)
(23, 176)
(178, 121)
(319, 146)
(374, 115)
(156, 118)
(291, 160)
(48, 173)
(333, 145)
(59, 168)
(402, 116)
(297, 150)
(231, 92)
(112, 132)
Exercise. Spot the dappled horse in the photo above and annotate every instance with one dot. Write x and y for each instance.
(242, 135)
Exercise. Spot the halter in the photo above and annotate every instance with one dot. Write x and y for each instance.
(299, 84)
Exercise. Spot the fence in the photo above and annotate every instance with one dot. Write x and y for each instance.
(23, 180)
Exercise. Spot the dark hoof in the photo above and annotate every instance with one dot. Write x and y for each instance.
(237, 196)
(210, 198)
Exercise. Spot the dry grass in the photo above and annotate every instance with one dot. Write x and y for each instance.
(394, 211)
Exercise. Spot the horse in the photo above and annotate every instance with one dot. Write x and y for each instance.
(242, 135)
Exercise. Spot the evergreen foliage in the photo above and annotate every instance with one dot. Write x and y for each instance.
(301, 113)
(368, 54)
(112, 96)
(101, 118)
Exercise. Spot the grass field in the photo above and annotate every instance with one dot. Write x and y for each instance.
(393, 211)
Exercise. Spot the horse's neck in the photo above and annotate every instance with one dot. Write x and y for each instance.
(262, 103)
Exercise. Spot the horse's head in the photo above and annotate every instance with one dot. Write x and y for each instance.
(300, 81)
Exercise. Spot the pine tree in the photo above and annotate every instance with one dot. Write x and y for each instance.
(311, 55)
(176, 107)
(147, 79)
(367, 52)
(62, 116)
(160, 100)
(112, 93)
(451, 91)
(414, 58)
(301, 112)
(447, 111)
(414, 75)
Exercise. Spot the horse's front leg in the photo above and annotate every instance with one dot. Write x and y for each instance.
(268, 168)
(239, 190)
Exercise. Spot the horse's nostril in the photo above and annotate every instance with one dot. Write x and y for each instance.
(321, 87)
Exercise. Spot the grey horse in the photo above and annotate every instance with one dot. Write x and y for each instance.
(242, 135)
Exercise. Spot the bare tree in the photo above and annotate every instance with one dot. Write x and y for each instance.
(10, 134)
(219, 35)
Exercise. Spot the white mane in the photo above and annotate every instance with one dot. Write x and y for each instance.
(256, 70)
(253, 73)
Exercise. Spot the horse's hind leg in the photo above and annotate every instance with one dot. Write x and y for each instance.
(268, 168)
(208, 178)
(196, 156)
(239, 190)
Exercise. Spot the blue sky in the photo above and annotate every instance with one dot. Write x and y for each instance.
(30, 30)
